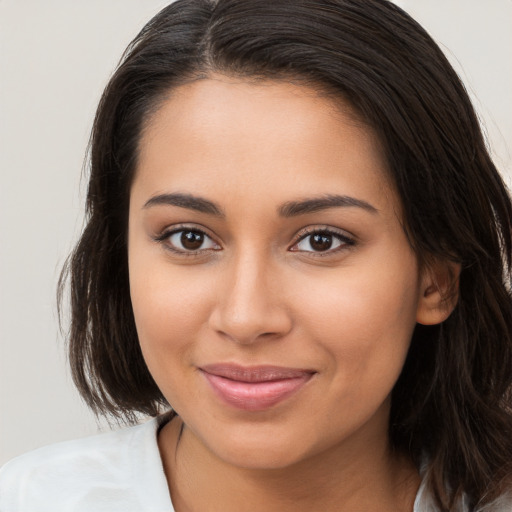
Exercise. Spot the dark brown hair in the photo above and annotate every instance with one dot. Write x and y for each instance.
(451, 404)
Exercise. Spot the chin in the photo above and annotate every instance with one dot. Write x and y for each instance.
(258, 447)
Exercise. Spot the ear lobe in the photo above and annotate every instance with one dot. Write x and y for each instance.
(439, 292)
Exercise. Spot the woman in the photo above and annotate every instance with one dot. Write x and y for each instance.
(296, 240)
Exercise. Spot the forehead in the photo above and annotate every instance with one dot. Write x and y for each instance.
(258, 138)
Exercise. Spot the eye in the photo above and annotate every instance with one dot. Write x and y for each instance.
(321, 241)
(188, 241)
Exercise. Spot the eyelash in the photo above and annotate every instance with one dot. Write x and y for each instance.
(344, 240)
(164, 239)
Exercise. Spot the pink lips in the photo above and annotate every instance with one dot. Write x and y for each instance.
(254, 388)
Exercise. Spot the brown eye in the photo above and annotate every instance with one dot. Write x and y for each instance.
(322, 241)
(189, 240)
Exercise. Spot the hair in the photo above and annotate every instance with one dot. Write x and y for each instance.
(451, 404)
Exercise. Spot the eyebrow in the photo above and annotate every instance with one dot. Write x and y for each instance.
(294, 208)
(288, 209)
(188, 201)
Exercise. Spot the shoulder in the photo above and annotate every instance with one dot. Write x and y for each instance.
(119, 470)
(425, 501)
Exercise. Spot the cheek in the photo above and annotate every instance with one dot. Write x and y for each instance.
(363, 318)
(169, 317)
(170, 306)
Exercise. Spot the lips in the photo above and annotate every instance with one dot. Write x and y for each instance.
(254, 388)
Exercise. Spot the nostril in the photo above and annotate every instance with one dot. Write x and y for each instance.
(251, 328)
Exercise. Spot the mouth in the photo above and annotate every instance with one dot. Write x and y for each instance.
(254, 388)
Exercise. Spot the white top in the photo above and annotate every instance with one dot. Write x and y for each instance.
(114, 472)
(118, 471)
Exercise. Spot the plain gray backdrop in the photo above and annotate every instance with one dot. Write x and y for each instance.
(55, 58)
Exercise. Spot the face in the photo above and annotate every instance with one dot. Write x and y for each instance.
(273, 287)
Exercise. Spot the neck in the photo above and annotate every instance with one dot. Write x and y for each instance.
(353, 476)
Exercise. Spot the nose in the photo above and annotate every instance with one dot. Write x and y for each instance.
(251, 304)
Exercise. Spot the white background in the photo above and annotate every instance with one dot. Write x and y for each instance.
(55, 58)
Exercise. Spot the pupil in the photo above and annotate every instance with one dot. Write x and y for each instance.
(192, 240)
(321, 242)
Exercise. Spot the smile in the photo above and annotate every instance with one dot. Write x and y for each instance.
(254, 388)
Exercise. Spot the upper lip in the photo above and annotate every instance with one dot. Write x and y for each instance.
(262, 373)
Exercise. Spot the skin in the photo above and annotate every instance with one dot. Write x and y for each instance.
(256, 292)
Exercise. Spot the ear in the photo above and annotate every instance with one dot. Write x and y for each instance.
(439, 292)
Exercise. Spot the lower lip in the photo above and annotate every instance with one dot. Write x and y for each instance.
(255, 396)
